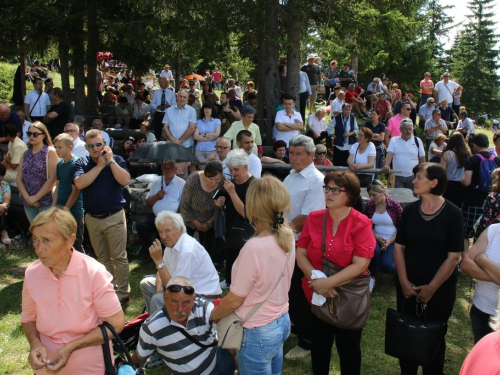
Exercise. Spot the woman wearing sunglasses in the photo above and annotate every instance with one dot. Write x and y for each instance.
(349, 244)
(385, 214)
(320, 156)
(256, 278)
(38, 166)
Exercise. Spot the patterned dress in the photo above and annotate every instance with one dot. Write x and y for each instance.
(491, 213)
(35, 174)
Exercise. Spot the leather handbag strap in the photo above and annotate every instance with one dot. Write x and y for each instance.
(120, 345)
(323, 244)
(257, 306)
(108, 365)
(193, 340)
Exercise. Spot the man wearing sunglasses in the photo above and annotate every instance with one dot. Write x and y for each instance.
(182, 334)
(101, 177)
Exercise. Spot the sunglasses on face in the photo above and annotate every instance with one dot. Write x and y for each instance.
(321, 153)
(97, 144)
(33, 134)
(177, 288)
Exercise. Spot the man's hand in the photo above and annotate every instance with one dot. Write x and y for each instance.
(109, 153)
(161, 194)
(59, 360)
(385, 169)
(156, 251)
(37, 357)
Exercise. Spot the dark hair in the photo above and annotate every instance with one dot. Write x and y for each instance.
(243, 133)
(347, 180)
(48, 80)
(139, 97)
(37, 79)
(278, 144)
(213, 168)
(434, 171)
(246, 110)
(456, 143)
(122, 99)
(376, 110)
(10, 130)
(496, 135)
(481, 140)
(436, 112)
(3, 170)
(287, 96)
(224, 93)
(252, 95)
(209, 87)
(464, 113)
(202, 112)
(367, 133)
(58, 92)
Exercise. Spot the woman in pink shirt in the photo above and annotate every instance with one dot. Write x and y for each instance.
(255, 276)
(66, 296)
(426, 87)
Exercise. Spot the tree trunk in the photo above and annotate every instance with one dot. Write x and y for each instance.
(64, 62)
(271, 52)
(79, 72)
(294, 31)
(177, 71)
(92, 45)
(261, 84)
(355, 64)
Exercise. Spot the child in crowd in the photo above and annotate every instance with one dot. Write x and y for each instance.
(66, 193)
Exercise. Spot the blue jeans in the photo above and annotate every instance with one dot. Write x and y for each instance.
(31, 212)
(261, 351)
(480, 323)
(384, 260)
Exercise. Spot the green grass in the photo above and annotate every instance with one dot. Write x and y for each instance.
(14, 347)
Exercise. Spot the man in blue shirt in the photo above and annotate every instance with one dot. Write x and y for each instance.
(101, 177)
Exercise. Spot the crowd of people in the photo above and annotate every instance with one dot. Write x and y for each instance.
(273, 237)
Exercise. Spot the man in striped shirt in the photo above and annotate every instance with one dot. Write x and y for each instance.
(183, 334)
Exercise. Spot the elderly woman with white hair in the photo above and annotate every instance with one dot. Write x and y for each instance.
(237, 162)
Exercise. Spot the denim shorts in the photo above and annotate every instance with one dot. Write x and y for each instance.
(261, 350)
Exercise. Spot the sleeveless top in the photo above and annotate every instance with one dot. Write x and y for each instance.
(486, 293)
(452, 171)
(35, 174)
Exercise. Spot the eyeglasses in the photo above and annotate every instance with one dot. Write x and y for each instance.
(333, 190)
(221, 147)
(97, 144)
(431, 102)
(71, 130)
(321, 153)
(33, 134)
(177, 288)
(407, 108)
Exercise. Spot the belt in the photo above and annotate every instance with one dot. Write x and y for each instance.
(102, 216)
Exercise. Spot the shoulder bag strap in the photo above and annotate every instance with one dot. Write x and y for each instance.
(323, 244)
(39, 95)
(108, 365)
(193, 340)
(257, 307)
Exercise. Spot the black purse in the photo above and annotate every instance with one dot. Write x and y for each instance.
(123, 363)
(412, 339)
(239, 234)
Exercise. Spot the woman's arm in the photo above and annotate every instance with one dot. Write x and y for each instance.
(468, 264)
(399, 259)
(370, 164)
(197, 136)
(304, 263)
(51, 179)
(237, 203)
(229, 304)
(491, 268)
(425, 292)
(72, 197)
(444, 159)
(20, 181)
(214, 135)
(37, 357)
(350, 162)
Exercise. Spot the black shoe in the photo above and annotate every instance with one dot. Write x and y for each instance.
(124, 302)
(146, 260)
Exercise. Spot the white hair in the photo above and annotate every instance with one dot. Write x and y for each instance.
(176, 219)
(237, 158)
(320, 110)
(72, 124)
(180, 280)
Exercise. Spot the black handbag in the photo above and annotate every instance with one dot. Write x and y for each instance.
(123, 363)
(412, 339)
(241, 231)
(350, 309)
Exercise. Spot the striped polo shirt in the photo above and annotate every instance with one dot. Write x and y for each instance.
(180, 354)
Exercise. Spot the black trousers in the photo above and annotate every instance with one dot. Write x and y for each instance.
(206, 239)
(299, 310)
(323, 135)
(145, 228)
(303, 102)
(348, 343)
(439, 309)
(158, 124)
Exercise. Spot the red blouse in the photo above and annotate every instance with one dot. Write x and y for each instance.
(354, 237)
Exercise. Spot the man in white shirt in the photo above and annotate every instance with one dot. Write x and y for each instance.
(337, 103)
(164, 195)
(444, 89)
(288, 122)
(36, 102)
(166, 72)
(179, 122)
(245, 140)
(183, 256)
(305, 92)
(305, 184)
(406, 152)
(25, 124)
(163, 98)
(97, 124)
(79, 149)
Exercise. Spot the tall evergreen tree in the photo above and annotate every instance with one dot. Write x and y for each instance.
(474, 59)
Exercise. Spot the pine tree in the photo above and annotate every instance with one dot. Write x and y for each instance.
(474, 59)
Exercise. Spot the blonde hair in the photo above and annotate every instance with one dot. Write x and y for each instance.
(495, 180)
(65, 139)
(266, 200)
(40, 126)
(62, 217)
(440, 137)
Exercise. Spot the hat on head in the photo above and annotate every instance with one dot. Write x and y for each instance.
(167, 66)
(311, 56)
(446, 74)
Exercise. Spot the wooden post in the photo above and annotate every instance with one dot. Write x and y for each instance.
(391, 180)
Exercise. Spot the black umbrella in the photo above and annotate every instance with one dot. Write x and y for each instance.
(159, 151)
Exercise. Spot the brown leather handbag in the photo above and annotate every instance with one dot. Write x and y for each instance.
(350, 309)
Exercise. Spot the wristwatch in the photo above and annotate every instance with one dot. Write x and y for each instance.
(112, 161)
(160, 266)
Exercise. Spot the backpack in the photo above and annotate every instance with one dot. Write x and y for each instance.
(486, 167)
